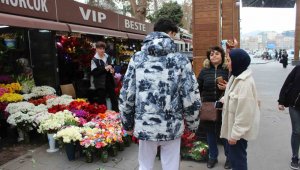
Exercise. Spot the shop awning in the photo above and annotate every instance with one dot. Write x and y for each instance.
(96, 31)
(25, 22)
(136, 36)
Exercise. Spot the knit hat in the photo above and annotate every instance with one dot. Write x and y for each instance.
(240, 60)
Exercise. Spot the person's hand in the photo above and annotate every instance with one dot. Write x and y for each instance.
(280, 107)
(108, 67)
(130, 132)
(222, 85)
(232, 141)
(112, 71)
(191, 136)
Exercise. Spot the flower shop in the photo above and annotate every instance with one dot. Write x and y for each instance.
(43, 48)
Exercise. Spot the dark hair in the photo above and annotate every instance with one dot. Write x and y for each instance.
(100, 44)
(165, 25)
(216, 48)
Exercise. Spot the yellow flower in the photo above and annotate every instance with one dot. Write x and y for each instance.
(11, 97)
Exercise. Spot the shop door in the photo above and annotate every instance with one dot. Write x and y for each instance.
(43, 57)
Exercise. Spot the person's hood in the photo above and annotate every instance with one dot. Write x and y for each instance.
(158, 44)
(207, 64)
(240, 61)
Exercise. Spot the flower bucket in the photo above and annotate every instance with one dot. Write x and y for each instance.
(121, 146)
(23, 136)
(51, 142)
(10, 43)
(88, 157)
(104, 156)
(113, 150)
(70, 151)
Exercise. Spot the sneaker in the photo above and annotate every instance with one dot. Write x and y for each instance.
(227, 164)
(294, 163)
(211, 163)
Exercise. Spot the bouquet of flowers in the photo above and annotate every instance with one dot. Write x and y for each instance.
(57, 121)
(62, 100)
(69, 134)
(21, 120)
(91, 139)
(50, 125)
(56, 108)
(41, 113)
(13, 108)
(3, 90)
(11, 97)
(192, 149)
(12, 88)
(43, 90)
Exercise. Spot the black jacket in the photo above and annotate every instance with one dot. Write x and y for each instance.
(290, 89)
(207, 81)
(102, 78)
(210, 92)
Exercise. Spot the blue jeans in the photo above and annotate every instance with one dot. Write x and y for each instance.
(238, 155)
(295, 139)
(213, 146)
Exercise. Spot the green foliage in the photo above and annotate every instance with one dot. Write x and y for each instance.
(170, 10)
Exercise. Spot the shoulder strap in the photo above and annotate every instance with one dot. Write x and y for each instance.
(96, 61)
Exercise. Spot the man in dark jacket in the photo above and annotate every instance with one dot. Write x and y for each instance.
(160, 92)
(102, 72)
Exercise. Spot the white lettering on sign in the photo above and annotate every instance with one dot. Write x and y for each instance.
(135, 25)
(96, 16)
(38, 5)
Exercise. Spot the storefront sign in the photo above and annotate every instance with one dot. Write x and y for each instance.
(35, 8)
(70, 11)
(128, 24)
(74, 12)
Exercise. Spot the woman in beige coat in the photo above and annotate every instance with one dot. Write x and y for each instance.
(241, 113)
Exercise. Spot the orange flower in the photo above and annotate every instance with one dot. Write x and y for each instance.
(102, 115)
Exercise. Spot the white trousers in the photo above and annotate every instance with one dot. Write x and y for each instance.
(169, 154)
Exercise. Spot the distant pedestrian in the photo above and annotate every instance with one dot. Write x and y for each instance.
(160, 92)
(290, 97)
(284, 59)
(241, 112)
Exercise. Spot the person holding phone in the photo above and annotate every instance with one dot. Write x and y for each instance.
(212, 82)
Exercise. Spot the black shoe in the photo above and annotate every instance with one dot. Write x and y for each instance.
(227, 164)
(211, 163)
(294, 163)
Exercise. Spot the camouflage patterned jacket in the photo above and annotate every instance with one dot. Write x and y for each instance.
(160, 92)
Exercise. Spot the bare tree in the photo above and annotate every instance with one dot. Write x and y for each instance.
(187, 15)
(139, 9)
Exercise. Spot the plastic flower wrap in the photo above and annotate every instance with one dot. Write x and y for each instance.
(12, 88)
(69, 134)
(11, 97)
(6, 79)
(62, 100)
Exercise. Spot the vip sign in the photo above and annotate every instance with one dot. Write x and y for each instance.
(36, 5)
(92, 15)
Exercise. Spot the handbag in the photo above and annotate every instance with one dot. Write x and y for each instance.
(208, 112)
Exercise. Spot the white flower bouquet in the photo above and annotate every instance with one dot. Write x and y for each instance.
(24, 107)
(21, 120)
(62, 100)
(50, 125)
(43, 90)
(69, 134)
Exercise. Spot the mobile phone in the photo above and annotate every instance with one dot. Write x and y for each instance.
(220, 79)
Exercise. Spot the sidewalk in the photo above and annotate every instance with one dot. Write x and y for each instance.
(271, 151)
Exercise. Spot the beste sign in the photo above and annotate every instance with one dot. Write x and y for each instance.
(135, 25)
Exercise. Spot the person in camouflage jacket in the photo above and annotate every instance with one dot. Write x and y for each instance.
(159, 95)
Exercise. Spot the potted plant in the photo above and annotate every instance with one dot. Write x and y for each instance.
(9, 40)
